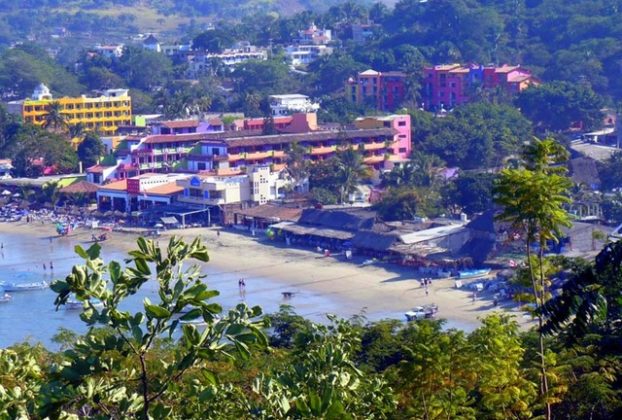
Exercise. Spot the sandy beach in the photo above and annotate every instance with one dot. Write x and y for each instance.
(377, 291)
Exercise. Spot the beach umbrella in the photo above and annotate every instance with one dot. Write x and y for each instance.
(158, 225)
(6, 192)
(108, 213)
(118, 213)
(17, 195)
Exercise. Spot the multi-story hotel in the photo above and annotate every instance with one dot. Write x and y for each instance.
(449, 85)
(380, 140)
(384, 91)
(103, 113)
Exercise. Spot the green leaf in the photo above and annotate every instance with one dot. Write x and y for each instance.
(155, 311)
(193, 314)
(142, 267)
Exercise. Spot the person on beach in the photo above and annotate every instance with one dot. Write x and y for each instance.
(427, 291)
(218, 233)
(51, 265)
(44, 267)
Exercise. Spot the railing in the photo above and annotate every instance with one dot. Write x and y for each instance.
(322, 150)
(258, 155)
(374, 146)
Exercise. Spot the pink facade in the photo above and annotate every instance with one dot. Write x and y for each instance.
(448, 85)
(384, 91)
(402, 145)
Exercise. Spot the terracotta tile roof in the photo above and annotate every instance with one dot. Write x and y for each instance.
(97, 169)
(115, 186)
(214, 121)
(180, 123)
(166, 189)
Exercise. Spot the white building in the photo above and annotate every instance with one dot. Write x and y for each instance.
(315, 35)
(289, 104)
(109, 51)
(175, 49)
(152, 43)
(203, 63)
(302, 55)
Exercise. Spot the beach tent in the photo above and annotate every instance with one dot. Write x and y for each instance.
(6, 192)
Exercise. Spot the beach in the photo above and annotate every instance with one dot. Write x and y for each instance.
(318, 284)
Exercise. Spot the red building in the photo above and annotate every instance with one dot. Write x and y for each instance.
(384, 91)
(448, 85)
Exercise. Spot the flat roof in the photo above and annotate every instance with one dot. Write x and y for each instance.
(430, 234)
(309, 136)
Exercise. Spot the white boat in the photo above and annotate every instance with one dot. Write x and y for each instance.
(25, 287)
(473, 274)
(76, 305)
(5, 298)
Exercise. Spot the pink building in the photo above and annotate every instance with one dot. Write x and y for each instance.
(448, 85)
(383, 90)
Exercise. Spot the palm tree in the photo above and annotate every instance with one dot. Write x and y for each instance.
(297, 165)
(533, 199)
(76, 130)
(55, 118)
(350, 170)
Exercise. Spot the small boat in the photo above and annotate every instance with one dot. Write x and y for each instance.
(473, 274)
(76, 305)
(25, 287)
(5, 298)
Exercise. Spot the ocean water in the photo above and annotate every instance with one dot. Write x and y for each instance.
(32, 315)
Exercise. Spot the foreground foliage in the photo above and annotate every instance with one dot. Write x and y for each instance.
(153, 364)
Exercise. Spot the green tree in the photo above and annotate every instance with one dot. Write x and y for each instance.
(556, 105)
(350, 172)
(37, 150)
(90, 150)
(322, 381)
(136, 382)
(401, 203)
(214, 41)
(297, 165)
(532, 200)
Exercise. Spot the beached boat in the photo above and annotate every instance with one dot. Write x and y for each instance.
(473, 274)
(25, 287)
(5, 298)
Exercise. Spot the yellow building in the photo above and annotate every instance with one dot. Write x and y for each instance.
(96, 113)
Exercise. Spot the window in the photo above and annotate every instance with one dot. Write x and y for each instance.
(401, 123)
(402, 150)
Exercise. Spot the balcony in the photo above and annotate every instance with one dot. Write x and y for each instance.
(375, 146)
(322, 150)
(236, 157)
(371, 160)
(278, 153)
(258, 155)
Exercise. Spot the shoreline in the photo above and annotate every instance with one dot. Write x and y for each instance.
(377, 291)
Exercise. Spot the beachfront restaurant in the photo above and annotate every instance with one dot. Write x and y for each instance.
(265, 215)
(325, 228)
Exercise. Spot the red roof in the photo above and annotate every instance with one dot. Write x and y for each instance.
(180, 123)
(170, 188)
(97, 169)
(115, 186)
